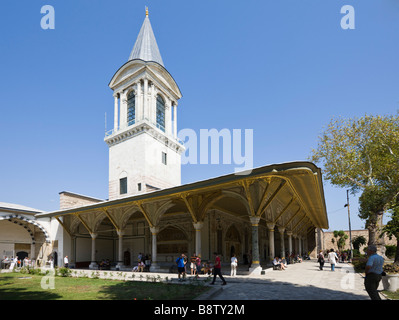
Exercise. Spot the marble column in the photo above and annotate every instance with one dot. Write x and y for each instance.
(123, 110)
(300, 245)
(168, 117)
(282, 244)
(289, 234)
(145, 100)
(175, 120)
(270, 227)
(154, 265)
(93, 264)
(255, 264)
(72, 260)
(116, 112)
(198, 226)
(120, 248)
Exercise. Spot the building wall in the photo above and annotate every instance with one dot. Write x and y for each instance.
(140, 160)
(71, 200)
(328, 236)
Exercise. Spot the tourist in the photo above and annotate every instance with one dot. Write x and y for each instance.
(140, 266)
(66, 262)
(320, 259)
(277, 263)
(198, 264)
(181, 267)
(333, 259)
(373, 272)
(234, 263)
(193, 266)
(284, 262)
(217, 269)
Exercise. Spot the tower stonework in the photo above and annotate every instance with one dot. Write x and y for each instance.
(144, 151)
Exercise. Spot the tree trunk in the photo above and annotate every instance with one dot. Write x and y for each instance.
(397, 251)
(375, 230)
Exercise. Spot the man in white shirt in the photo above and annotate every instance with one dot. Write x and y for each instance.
(333, 258)
(66, 261)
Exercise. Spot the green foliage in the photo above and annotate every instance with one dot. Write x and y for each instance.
(390, 251)
(63, 272)
(391, 229)
(342, 237)
(359, 264)
(358, 242)
(391, 268)
(363, 155)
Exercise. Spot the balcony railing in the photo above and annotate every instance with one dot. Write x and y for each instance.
(133, 122)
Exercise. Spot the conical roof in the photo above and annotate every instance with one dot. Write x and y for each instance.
(146, 47)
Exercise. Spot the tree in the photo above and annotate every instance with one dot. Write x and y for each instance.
(392, 229)
(363, 155)
(341, 237)
(358, 241)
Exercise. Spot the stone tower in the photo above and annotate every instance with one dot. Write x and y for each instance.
(144, 151)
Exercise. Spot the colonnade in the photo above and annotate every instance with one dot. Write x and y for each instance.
(296, 243)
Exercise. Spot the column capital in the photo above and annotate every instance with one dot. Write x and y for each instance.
(289, 233)
(254, 220)
(120, 233)
(93, 235)
(154, 230)
(198, 225)
(281, 229)
(270, 225)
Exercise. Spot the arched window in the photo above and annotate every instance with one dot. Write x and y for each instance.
(160, 113)
(131, 108)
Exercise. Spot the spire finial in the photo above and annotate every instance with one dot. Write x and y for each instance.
(146, 11)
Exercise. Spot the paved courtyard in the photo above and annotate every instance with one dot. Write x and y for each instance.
(301, 281)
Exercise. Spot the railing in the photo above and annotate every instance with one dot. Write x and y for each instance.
(133, 122)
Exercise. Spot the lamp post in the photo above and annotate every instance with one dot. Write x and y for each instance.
(349, 219)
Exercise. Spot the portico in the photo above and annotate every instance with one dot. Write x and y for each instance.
(197, 217)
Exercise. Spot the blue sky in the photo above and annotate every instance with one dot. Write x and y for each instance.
(282, 68)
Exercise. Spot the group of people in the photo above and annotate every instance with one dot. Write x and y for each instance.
(143, 263)
(332, 257)
(197, 268)
(280, 263)
(12, 263)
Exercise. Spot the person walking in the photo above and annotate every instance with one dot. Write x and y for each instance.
(234, 264)
(66, 262)
(332, 258)
(373, 272)
(320, 260)
(217, 270)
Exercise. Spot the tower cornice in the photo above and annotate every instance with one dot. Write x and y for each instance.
(114, 138)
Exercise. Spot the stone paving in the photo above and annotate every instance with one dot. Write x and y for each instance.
(301, 281)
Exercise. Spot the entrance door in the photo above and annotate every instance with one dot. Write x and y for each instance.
(21, 256)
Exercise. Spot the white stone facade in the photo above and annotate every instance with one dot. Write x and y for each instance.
(143, 151)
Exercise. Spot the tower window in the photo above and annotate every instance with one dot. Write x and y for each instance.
(160, 113)
(131, 108)
(164, 158)
(139, 186)
(123, 186)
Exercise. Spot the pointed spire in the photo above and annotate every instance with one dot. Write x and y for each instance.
(146, 47)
